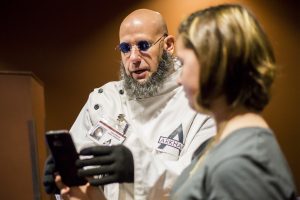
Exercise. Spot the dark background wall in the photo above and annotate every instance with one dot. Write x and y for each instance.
(69, 45)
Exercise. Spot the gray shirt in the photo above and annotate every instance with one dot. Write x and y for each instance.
(248, 164)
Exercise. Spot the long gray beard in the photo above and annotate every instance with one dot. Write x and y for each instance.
(150, 87)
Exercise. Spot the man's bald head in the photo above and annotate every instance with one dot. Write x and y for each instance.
(144, 20)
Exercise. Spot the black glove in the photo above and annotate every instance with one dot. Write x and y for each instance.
(49, 170)
(114, 163)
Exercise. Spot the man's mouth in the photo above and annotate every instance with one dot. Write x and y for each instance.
(140, 74)
(140, 71)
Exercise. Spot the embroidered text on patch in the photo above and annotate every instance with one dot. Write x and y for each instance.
(170, 142)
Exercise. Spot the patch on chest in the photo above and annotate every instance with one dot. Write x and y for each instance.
(172, 144)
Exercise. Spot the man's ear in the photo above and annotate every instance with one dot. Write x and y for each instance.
(169, 44)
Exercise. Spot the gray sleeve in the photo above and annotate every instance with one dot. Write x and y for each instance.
(241, 178)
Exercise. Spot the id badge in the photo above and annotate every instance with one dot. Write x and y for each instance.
(104, 134)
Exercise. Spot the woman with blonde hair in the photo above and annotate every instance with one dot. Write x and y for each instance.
(228, 69)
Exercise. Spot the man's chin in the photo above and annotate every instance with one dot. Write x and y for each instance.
(142, 81)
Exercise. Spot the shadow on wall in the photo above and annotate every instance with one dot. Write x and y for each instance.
(69, 45)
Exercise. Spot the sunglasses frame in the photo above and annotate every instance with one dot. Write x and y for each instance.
(137, 44)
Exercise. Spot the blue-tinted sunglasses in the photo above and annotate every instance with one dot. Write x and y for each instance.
(142, 45)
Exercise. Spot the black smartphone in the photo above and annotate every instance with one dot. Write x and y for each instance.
(65, 155)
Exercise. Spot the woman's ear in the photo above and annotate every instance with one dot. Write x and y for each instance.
(169, 44)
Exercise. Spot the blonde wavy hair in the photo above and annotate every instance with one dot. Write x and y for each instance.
(234, 53)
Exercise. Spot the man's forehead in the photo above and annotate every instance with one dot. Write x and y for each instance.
(138, 24)
(135, 23)
(138, 30)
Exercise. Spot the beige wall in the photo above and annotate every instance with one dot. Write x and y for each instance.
(71, 48)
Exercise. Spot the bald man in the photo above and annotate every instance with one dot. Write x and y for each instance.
(139, 133)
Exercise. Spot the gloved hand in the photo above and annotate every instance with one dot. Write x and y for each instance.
(49, 170)
(114, 163)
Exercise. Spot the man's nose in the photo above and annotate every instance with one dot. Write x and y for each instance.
(135, 54)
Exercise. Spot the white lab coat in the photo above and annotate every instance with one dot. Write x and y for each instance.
(158, 157)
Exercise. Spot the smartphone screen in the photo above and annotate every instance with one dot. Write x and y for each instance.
(65, 155)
